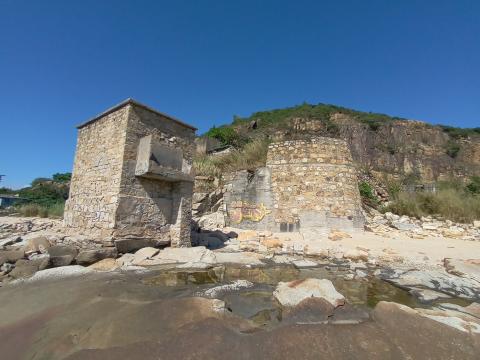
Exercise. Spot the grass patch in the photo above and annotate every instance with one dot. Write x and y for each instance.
(453, 201)
(250, 157)
(34, 210)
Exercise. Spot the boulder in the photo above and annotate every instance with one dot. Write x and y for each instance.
(336, 235)
(59, 273)
(25, 268)
(108, 264)
(169, 255)
(404, 226)
(62, 255)
(247, 235)
(38, 244)
(87, 257)
(355, 255)
(212, 221)
(10, 240)
(476, 224)
(144, 254)
(292, 293)
(11, 256)
(453, 232)
(131, 245)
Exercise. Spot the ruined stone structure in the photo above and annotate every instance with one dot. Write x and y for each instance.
(132, 179)
(306, 184)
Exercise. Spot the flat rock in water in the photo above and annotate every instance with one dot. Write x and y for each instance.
(427, 295)
(59, 273)
(243, 258)
(304, 263)
(197, 254)
(292, 293)
(435, 280)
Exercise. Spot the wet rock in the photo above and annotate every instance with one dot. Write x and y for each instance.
(87, 257)
(38, 244)
(348, 315)
(427, 296)
(434, 280)
(243, 258)
(169, 255)
(292, 293)
(108, 264)
(186, 276)
(222, 289)
(62, 255)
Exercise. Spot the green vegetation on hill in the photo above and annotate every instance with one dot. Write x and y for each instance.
(234, 133)
(46, 196)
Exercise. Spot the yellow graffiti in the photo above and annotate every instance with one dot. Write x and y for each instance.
(241, 211)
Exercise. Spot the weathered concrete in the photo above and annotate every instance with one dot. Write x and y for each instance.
(132, 177)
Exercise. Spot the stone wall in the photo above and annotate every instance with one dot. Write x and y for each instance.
(314, 184)
(306, 184)
(96, 176)
(109, 198)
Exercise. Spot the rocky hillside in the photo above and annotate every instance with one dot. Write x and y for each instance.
(379, 143)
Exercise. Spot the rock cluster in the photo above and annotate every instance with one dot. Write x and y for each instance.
(386, 224)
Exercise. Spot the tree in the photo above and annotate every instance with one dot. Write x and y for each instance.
(62, 177)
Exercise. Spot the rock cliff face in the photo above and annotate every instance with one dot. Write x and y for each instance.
(409, 147)
(379, 143)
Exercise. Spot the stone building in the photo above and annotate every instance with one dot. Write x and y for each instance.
(132, 180)
(310, 183)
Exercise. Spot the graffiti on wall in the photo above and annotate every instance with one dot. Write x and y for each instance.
(242, 210)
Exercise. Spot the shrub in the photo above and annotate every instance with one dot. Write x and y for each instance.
(474, 186)
(449, 203)
(226, 135)
(367, 194)
(452, 149)
(62, 177)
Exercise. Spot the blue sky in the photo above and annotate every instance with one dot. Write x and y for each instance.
(61, 62)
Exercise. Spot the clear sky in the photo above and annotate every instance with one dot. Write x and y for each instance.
(61, 62)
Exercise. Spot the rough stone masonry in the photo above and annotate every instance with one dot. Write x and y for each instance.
(132, 180)
(310, 183)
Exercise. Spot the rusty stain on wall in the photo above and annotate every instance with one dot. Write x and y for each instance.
(242, 210)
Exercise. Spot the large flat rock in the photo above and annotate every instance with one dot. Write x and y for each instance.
(293, 292)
